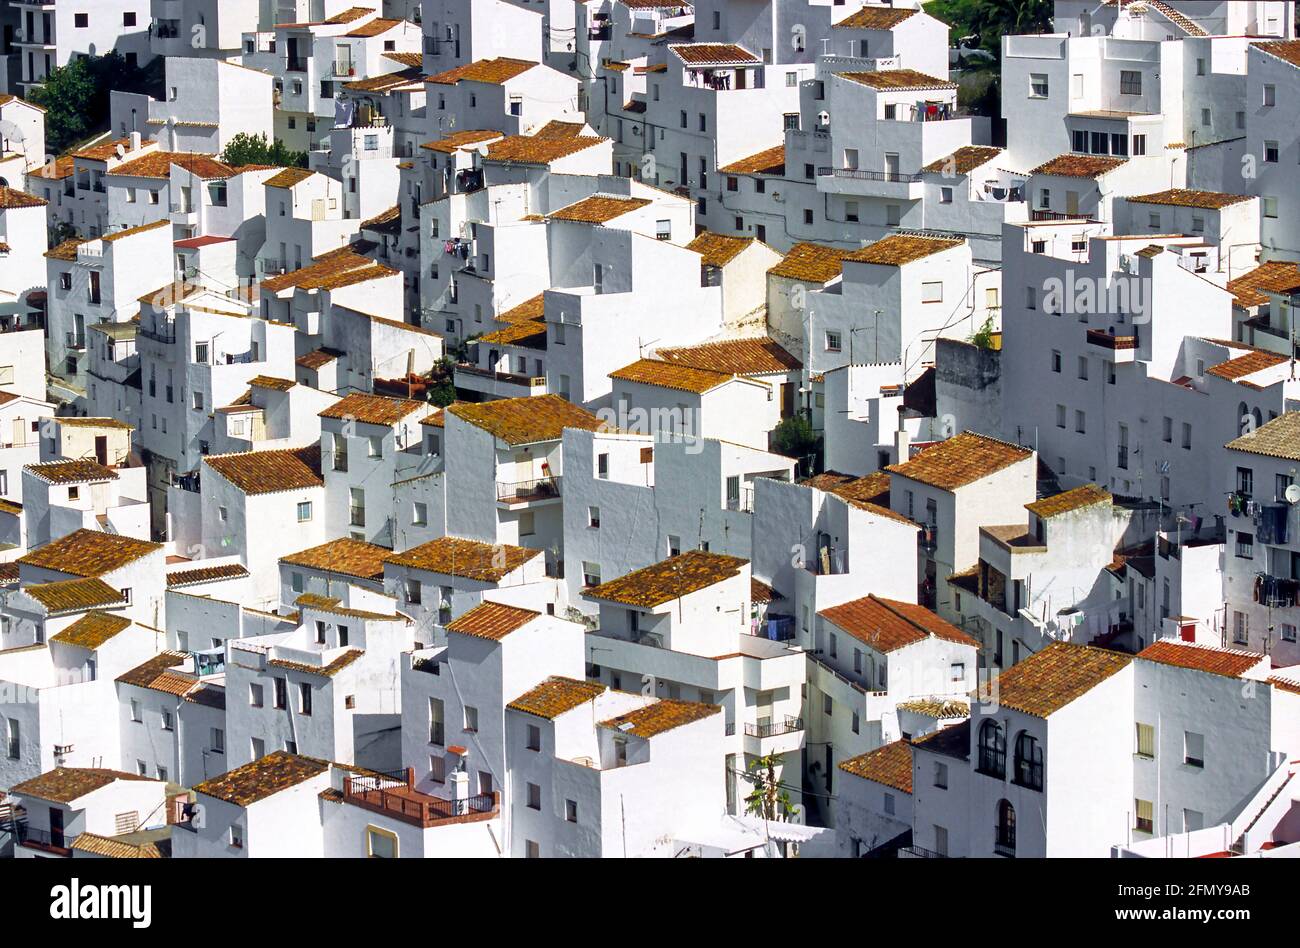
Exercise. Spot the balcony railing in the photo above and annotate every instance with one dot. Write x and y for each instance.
(537, 489)
(860, 174)
(296, 64)
(345, 69)
(1041, 214)
(1108, 340)
(393, 795)
(59, 843)
(76, 340)
(787, 725)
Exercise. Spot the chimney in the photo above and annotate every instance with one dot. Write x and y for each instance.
(135, 141)
(902, 440)
(459, 781)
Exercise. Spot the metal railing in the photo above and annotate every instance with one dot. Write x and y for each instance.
(786, 725)
(536, 489)
(392, 795)
(860, 174)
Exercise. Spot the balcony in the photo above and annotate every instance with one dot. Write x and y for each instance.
(522, 492)
(395, 795)
(1116, 349)
(344, 70)
(56, 844)
(1042, 214)
(861, 181)
(296, 64)
(76, 340)
(498, 384)
(773, 728)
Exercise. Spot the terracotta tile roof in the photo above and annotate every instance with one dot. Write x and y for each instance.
(470, 559)
(1182, 197)
(266, 472)
(1286, 682)
(897, 250)
(158, 164)
(951, 741)
(338, 664)
(449, 143)
(961, 460)
(682, 378)
(495, 71)
(1244, 365)
(599, 209)
(375, 27)
(180, 578)
(344, 555)
(288, 177)
(250, 783)
(754, 356)
(890, 765)
(68, 784)
(1069, 500)
(815, 263)
(668, 579)
(664, 715)
(67, 250)
(89, 553)
(111, 848)
(373, 409)
(78, 421)
(713, 54)
(718, 250)
(1285, 50)
(71, 472)
(887, 624)
(105, 150)
(890, 79)
(768, 161)
(146, 673)
(1218, 661)
(526, 420)
(1276, 276)
(271, 382)
(11, 198)
(335, 606)
(329, 272)
(350, 15)
(435, 419)
(492, 620)
(534, 150)
(132, 231)
(318, 358)
(940, 708)
(1079, 166)
(760, 591)
(388, 222)
(964, 160)
(1047, 681)
(555, 696)
(874, 18)
(530, 334)
(410, 60)
(92, 630)
(1279, 438)
(558, 129)
(530, 309)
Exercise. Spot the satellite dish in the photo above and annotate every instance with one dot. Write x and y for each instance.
(119, 151)
(1292, 493)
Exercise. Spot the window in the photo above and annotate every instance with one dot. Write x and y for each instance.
(602, 466)
(593, 517)
(1056, 362)
(1139, 145)
(135, 711)
(1245, 545)
(833, 341)
(1270, 152)
(1130, 82)
(828, 705)
(236, 836)
(532, 849)
(81, 20)
(932, 292)
(855, 723)
(1031, 297)
(571, 811)
(1060, 416)
(534, 738)
(993, 750)
(471, 719)
(381, 844)
(590, 574)
(851, 211)
(893, 215)
(941, 775)
(941, 840)
(534, 795)
(1187, 435)
(889, 804)
(1005, 839)
(1193, 749)
(1269, 205)
(304, 511)
(281, 686)
(1038, 85)
(1270, 95)
(945, 195)
(1029, 762)
(1080, 422)
(1144, 816)
(258, 747)
(168, 723)
(255, 696)
(1083, 368)
(1146, 741)
(375, 446)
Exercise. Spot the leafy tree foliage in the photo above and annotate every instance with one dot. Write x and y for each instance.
(246, 149)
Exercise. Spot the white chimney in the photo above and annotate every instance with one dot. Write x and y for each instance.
(135, 141)
(902, 440)
(459, 781)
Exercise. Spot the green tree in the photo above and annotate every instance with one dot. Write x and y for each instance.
(794, 437)
(66, 96)
(246, 149)
(983, 337)
(768, 799)
(443, 390)
(983, 23)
